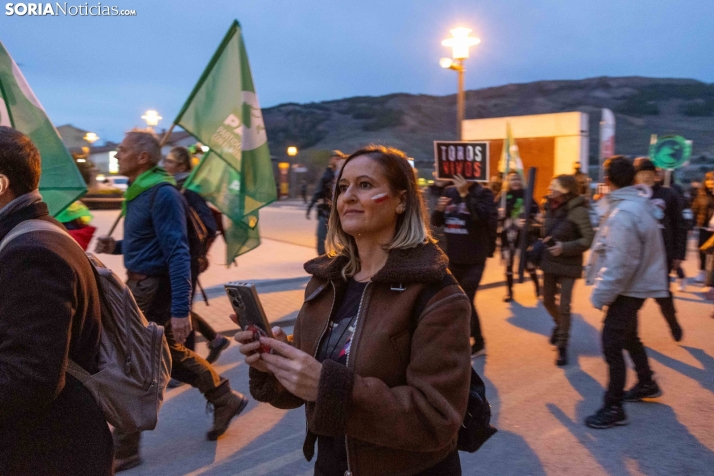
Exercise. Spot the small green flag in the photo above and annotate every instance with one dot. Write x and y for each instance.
(223, 113)
(61, 183)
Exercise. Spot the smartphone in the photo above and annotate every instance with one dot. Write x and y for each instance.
(247, 306)
(549, 242)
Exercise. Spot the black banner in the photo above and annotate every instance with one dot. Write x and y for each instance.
(469, 159)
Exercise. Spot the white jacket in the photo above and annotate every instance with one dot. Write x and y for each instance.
(628, 256)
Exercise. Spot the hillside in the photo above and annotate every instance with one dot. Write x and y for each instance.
(643, 106)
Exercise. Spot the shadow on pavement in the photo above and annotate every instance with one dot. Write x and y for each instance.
(532, 319)
(506, 450)
(705, 376)
(654, 429)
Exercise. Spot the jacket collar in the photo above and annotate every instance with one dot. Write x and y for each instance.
(422, 264)
(35, 210)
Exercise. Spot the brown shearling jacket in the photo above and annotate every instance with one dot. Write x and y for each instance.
(402, 396)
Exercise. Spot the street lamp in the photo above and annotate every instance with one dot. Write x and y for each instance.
(152, 118)
(91, 137)
(292, 152)
(460, 42)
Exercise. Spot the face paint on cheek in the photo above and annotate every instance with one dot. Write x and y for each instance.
(382, 197)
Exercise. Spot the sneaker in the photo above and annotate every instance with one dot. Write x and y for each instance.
(554, 336)
(562, 359)
(122, 464)
(682, 285)
(478, 351)
(643, 390)
(701, 277)
(607, 417)
(173, 383)
(508, 298)
(218, 345)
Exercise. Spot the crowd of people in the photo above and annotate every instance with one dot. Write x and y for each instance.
(382, 347)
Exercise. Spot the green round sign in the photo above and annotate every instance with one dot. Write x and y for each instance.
(670, 152)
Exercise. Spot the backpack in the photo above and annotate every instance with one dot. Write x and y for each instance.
(134, 359)
(476, 428)
(199, 239)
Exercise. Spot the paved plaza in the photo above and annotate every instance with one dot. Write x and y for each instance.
(538, 407)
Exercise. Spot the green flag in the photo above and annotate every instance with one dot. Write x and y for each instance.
(61, 183)
(223, 113)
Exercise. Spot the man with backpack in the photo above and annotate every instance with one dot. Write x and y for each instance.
(49, 313)
(178, 164)
(158, 262)
(323, 197)
(468, 213)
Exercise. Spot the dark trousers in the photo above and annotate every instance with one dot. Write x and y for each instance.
(321, 232)
(666, 304)
(197, 322)
(704, 235)
(469, 277)
(153, 296)
(554, 285)
(620, 332)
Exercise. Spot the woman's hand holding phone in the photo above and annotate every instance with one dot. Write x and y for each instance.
(251, 348)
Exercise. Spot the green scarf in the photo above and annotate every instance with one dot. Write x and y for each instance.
(144, 182)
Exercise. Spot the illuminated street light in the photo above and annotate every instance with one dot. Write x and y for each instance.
(292, 151)
(152, 118)
(460, 42)
(91, 137)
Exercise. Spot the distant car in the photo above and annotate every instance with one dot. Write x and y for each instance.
(117, 181)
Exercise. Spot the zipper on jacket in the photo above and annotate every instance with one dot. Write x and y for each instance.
(347, 363)
(322, 335)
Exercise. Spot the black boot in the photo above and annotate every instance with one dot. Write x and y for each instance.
(562, 357)
(509, 284)
(554, 336)
(536, 283)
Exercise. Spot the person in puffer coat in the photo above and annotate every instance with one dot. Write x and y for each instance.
(567, 222)
(627, 265)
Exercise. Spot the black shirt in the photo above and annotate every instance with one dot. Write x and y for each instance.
(332, 452)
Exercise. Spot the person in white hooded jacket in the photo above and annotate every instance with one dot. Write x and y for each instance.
(627, 265)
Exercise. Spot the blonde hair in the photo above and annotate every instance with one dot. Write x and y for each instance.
(411, 230)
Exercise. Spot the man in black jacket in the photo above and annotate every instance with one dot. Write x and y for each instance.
(468, 213)
(323, 196)
(674, 233)
(49, 313)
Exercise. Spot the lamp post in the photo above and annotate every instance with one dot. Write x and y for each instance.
(152, 119)
(292, 152)
(460, 42)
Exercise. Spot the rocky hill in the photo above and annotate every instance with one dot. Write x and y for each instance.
(643, 106)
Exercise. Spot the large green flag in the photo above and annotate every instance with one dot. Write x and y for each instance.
(223, 113)
(61, 183)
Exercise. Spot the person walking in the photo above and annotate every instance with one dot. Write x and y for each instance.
(322, 196)
(674, 233)
(627, 265)
(469, 216)
(432, 194)
(385, 390)
(567, 223)
(50, 424)
(158, 263)
(178, 164)
(703, 209)
(512, 229)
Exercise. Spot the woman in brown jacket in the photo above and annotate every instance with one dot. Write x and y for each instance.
(381, 355)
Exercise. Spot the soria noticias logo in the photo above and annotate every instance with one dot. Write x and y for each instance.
(65, 9)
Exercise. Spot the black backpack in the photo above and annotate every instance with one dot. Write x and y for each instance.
(199, 239)
(476, 428)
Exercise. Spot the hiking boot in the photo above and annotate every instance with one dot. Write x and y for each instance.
(122, 464)
(562, 359)
(554, 336)
(643, 390)
(218, 345)
(607, 417)
(225, 407)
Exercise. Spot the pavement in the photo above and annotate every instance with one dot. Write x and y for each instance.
(538, 408)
